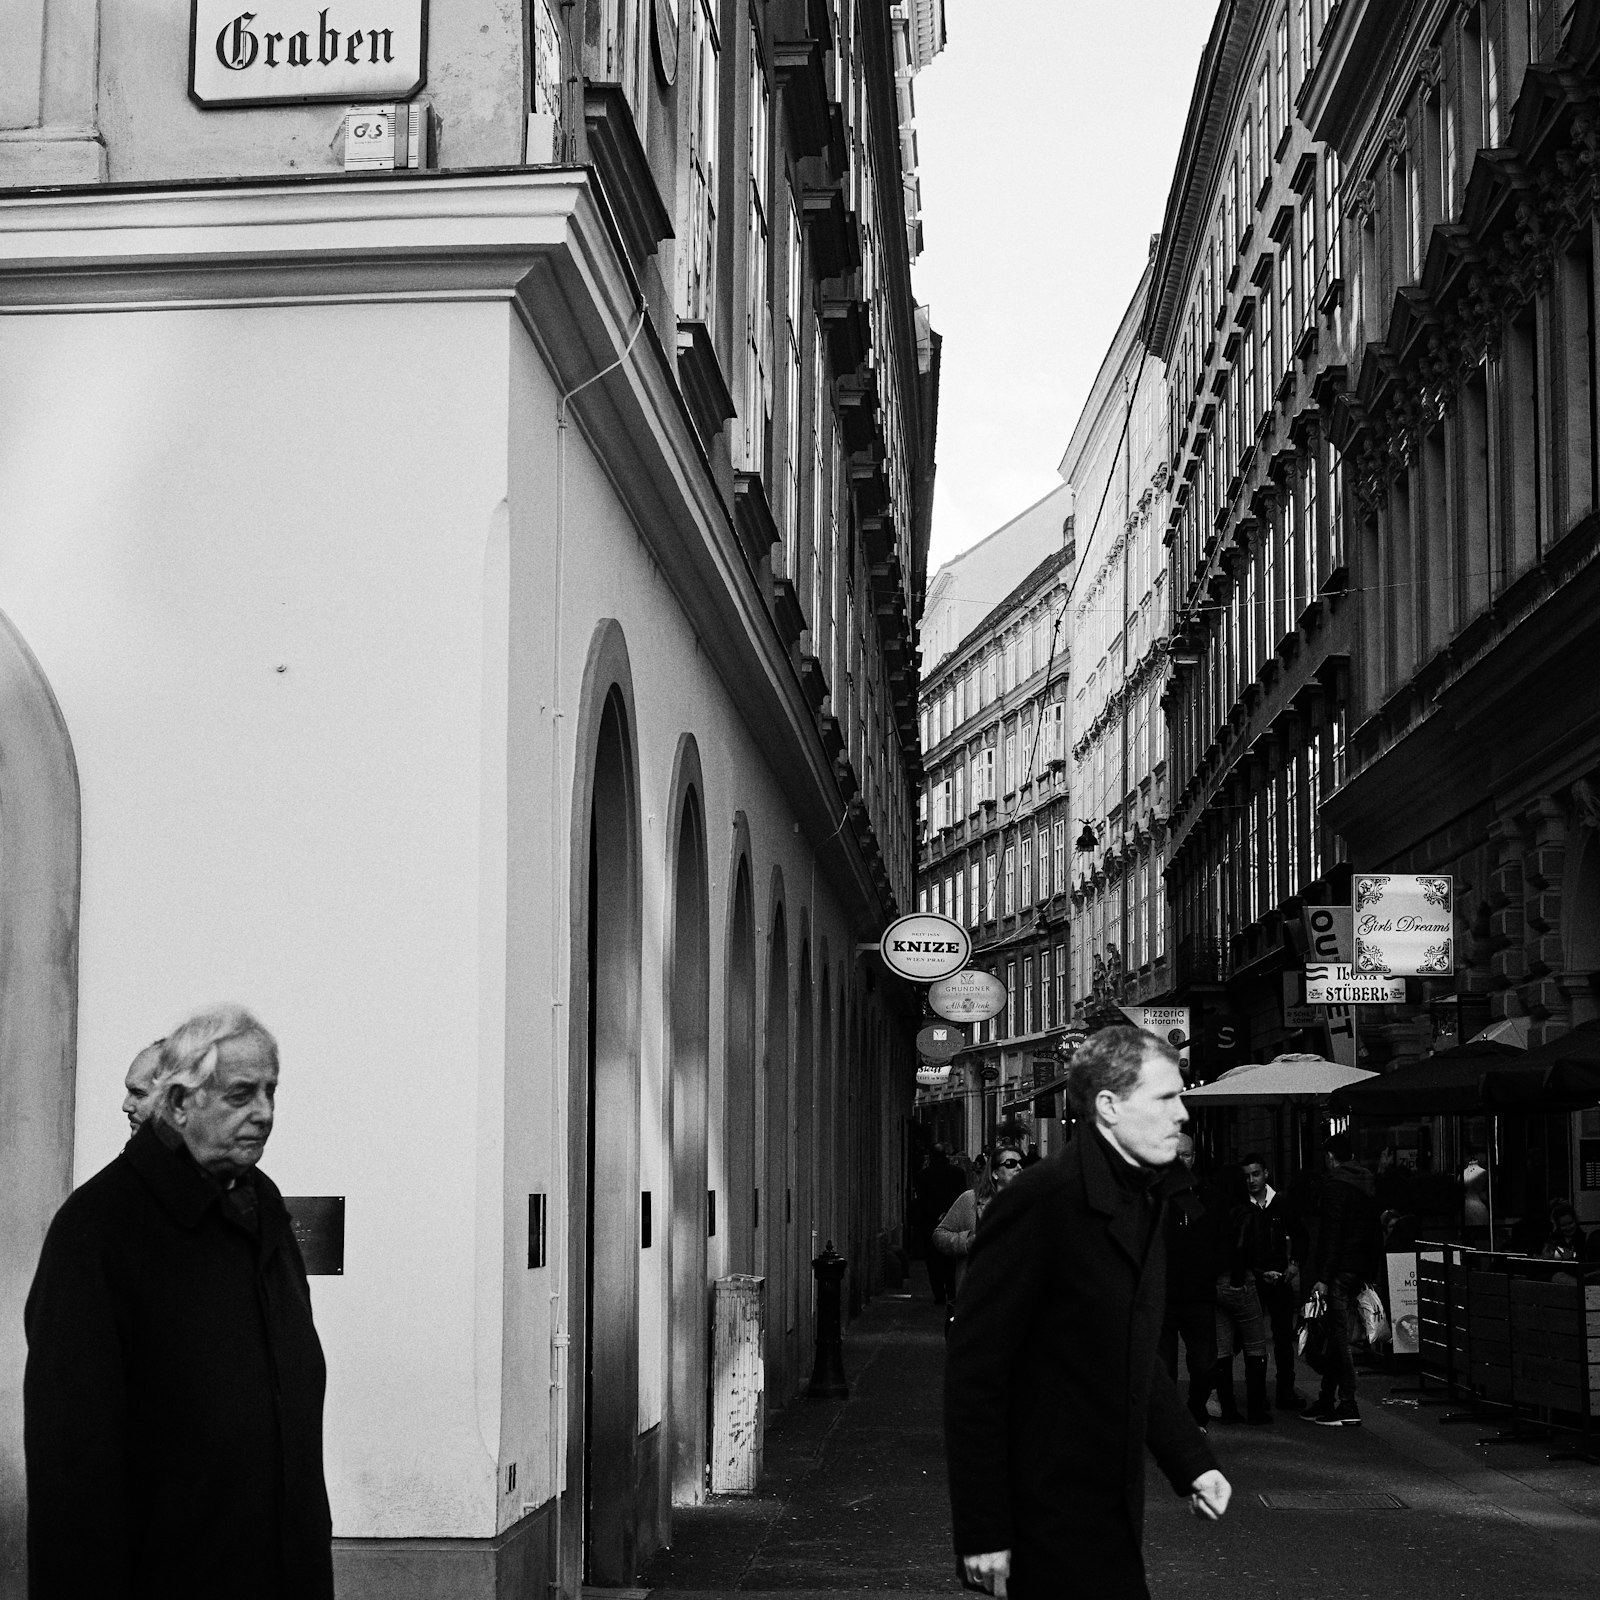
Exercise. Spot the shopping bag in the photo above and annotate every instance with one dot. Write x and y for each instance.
(1374, 1320)
(1311, 1337)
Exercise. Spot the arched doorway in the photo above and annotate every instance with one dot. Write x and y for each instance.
(803, 1234)
(742, 1203)
(689, 1000)
(778, 1199)
(39, 882)
(611, 1166)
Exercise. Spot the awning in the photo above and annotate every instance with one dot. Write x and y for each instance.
(1451, 1081)
(1486, 1076)
(1022, 1099)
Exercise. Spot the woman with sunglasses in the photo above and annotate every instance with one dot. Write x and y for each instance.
(954, 1234)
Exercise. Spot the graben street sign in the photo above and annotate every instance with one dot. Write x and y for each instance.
(287, 52)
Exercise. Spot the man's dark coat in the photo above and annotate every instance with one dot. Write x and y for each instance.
(173, 1395)
(1053, 1387)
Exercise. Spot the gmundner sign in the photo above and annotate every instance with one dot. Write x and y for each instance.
(286, 52)
(924, 947)
(1342, 986)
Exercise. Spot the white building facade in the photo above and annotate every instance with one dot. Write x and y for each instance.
(1118, 610)
(468, 614)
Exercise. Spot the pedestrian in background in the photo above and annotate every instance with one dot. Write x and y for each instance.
(953, 1237)
(1241, 1321)
(137, 1082)
(174, 1382)
(1195, 1240)
(936, 1189)
(1053, 1384)
(1278, 1281)
(1345, 1247)
(1567, 1241)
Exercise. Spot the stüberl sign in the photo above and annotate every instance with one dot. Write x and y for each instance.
(288, 52)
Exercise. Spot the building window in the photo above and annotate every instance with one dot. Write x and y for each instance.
(791, 399)
(1011, 999)
(989, 881)
(1308, 254)
(972, 893)
(699, 297)
(1059, 839)
(1061, 983)
(1332, 179)
(1011, 763)
(960, 913)
(1027, 994)
(1042, 845)
(1314, 808)
(1280, 77)
(1027, 874)
(755, 410)
(1010, 875)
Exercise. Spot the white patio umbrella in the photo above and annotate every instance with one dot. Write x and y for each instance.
(1287, 1081)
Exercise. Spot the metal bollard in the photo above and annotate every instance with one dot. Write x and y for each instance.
(827, 1376)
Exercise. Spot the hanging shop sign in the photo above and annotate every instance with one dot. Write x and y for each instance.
(288, 52)
(933, 1077)
(1170, 1023)
(1328, 985)
(941, 1041)
(968, 996)
(1404, 926)
(924, 947)
(1330, 933)
(1296, 1013)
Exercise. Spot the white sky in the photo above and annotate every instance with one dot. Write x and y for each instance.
(1047, 133)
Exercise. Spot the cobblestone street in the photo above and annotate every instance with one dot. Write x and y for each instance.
(854, 1499)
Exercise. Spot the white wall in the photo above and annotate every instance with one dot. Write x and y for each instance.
(194, 501)
(365, 845)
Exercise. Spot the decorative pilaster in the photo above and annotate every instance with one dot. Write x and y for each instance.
(1543, 870)
(1508, 965)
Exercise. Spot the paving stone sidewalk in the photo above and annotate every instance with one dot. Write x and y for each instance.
(853, 1499)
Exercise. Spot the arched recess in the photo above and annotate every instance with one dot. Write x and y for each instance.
(777, 1201)
(39, 882)
(604, 1112)
(688, 1011)
(826, 1171)
(741, 1206)
(803, 1233)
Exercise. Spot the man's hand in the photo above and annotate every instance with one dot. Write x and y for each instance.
(989, 1572)
(1209, 1497)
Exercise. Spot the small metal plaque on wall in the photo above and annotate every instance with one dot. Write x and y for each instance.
(318, 1223)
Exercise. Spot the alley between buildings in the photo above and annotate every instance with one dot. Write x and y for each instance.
(853, 1500)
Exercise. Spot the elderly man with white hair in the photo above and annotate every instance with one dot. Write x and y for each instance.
(174, 1385)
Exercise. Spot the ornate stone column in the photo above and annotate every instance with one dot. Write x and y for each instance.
(1544, 867)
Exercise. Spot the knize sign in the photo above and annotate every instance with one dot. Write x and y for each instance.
(1340, 986)
(286, 52)
(924, 947)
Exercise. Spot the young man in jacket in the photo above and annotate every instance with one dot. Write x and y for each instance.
(172, 1400)
(1344, 1249)
(1053, 1385)
(1278, 1279)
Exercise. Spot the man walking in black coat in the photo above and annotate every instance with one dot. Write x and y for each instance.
(1345, 1246)
(1053, 1384)
(174, 1384)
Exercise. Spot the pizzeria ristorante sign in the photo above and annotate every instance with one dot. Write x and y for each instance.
(287, 52)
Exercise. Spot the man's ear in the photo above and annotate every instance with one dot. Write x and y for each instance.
(1106, 1104)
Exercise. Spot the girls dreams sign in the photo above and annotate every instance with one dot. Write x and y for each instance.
(1404, 926)
(286, 52)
